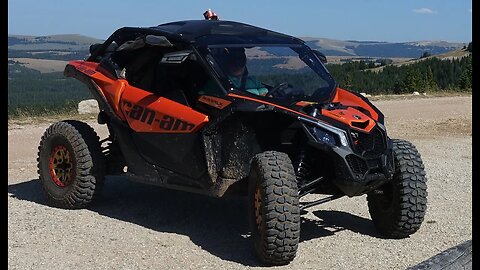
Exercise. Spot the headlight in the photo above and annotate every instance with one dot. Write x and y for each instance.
(323, 136)
(326, 133)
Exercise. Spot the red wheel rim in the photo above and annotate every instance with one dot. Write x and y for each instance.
(61, 166)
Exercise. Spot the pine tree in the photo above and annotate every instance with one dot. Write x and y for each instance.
(465, 81)
(348, 81)
(430, 83)
(425, 54)
(412, 80)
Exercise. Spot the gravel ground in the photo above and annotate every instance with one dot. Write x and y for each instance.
(134, 226)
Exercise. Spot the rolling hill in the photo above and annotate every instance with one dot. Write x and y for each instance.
(451, 55)
(61, 48)
(54, 42)
(56, 47)
(330, 47)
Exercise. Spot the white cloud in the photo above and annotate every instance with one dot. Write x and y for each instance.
(424, 11)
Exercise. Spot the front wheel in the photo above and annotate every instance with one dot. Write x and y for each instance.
(71, 165)
(399, 208)
(274, 208)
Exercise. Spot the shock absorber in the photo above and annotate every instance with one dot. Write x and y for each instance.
(302, 168)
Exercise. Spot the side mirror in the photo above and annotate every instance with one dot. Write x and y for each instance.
(320, 56)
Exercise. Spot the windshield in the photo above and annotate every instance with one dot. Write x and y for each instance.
(290, 72)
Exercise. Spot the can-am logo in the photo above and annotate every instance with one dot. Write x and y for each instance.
(150, 117)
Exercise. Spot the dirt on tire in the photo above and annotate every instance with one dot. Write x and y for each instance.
(275, 220)
(400, 210)
(86, 164)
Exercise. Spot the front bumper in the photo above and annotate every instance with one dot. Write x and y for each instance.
(355, 174)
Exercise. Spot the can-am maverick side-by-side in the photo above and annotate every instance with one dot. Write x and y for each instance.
(283, 129)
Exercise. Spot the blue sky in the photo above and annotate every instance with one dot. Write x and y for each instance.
(379, 20)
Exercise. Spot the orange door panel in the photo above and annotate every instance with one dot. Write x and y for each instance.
(110, 88)
(146, 112)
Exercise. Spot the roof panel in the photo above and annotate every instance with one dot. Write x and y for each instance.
(191, 30)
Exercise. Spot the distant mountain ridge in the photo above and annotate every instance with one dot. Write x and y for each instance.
(72, 43)
(415, 49)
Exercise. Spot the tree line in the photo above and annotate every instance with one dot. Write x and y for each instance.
(431, 74)
(32, 92)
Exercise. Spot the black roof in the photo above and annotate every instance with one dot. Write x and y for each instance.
(201, 31)
(190, 31)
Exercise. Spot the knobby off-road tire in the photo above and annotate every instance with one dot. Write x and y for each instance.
(71, 165)
(274, 208)
(400, 210)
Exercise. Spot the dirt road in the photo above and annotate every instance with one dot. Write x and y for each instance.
(141, 227)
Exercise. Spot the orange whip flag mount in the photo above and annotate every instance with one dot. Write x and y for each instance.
(210, 15)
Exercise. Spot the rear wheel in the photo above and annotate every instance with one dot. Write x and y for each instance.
(399, 210)
(71, 165)
(274, 208)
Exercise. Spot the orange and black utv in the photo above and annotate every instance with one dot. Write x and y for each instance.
(281, 130)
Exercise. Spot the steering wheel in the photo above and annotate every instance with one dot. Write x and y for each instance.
(277, 88)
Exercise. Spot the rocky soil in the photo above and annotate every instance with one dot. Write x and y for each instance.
(134, 226)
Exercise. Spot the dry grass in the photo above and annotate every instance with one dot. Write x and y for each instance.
(42, 65)
(444, 56)
(27, 120)
(421, 96)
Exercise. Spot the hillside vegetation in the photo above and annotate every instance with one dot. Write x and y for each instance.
(332, 47)
(42, 65)
(54, 42)
(60, 47)
(31, 92)
(451, 55)
(56, 47)
(432, 74)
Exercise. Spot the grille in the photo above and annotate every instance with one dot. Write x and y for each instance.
(370, 145)
(357, 165)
